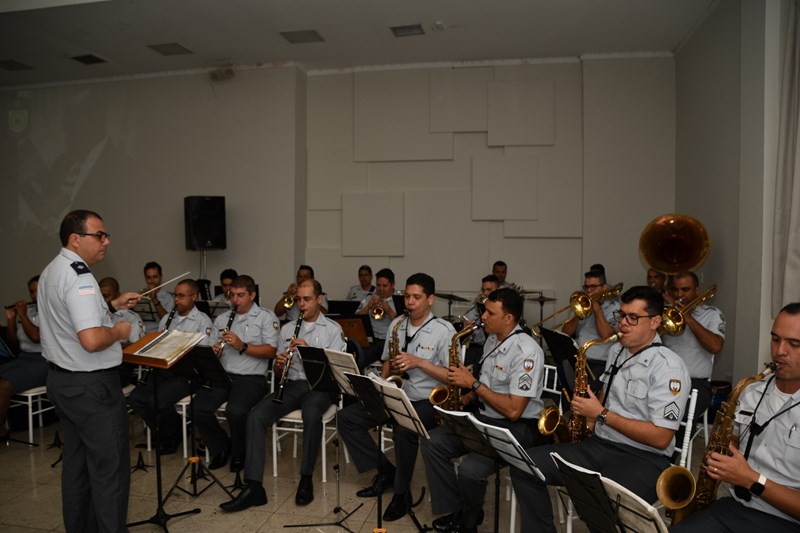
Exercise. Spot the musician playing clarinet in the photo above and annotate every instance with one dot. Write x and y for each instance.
(245, 338)
(316, 330)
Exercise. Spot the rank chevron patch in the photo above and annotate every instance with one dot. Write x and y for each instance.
(672, 411)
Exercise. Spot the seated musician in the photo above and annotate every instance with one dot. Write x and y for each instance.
(29, 368)
(658, 280)
(185, 316)
(250, 337)
(364, 288)
(320, 332)
(509, 391)
(702, 339)
(475, 348)
(381, 299)
(162, 298)
(763, 468)
(423, 343)
(226, 278)
(109, 287)
(290, 312)
(500, 270)
(599, 325)
(646, 386)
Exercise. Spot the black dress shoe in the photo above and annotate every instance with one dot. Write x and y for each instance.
(380, 483)
(305, 491)
(219, 460)
(397, 508)
(237, 464)
(445, 523)
(251, 495)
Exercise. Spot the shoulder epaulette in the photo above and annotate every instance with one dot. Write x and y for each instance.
(80, 268)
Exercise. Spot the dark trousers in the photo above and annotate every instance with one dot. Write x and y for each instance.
(726, 515)
(354, 426)
(296, 395)
(242, 394)
(464, 493)
(95, 478)
(370, 354)
(635, 469)
(171, 389)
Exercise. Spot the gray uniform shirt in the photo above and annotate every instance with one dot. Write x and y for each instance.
(257, 326)
(323, 333)
(25, 343)
(379, 327)
(653, 386)
(70, 301)
(776, 452)
(137, 326)
(516, 367)
(431, 342)
(195, 321)
(356, 293)
(699, 360)
(587, 330)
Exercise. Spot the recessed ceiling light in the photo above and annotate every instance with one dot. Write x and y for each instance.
(170, 49)
(302, 36)
(407, 31)
(89, 59)
(10, 64)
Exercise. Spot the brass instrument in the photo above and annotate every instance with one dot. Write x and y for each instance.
(378, 312)
(673, 243)
(480, 305)
(224, 331)
(673, 487)
(577, 424)
(581, 304)
(278, 397)
(449, 396)
(552, 423)
(289, 301)
(396, 376)
(672, 321)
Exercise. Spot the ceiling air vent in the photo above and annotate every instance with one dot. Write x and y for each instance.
(170, 49)
(302, 36)
(89, 59)
(10, 64)
(407, 31)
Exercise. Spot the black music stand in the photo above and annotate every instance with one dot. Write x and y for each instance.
(201, 365)
(385, 403)
(564, 350)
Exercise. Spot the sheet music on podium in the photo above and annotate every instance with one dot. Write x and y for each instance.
(162, 349)
(499, 438)
(396, 402)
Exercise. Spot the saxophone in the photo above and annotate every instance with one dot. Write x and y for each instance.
(676, 487)
(577, 424)
(396, 376)
(449, 396)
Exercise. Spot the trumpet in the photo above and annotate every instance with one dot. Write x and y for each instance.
(581, 304)
(378, 312)
(288, 301)
(673, 322)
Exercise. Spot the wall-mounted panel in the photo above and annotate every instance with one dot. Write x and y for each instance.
(521, 113)
(372, 224)
(392, 118)
(324, 229)
(331, 169)
(505, 187)
(459, 99)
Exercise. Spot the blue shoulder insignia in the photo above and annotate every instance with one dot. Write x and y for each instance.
(80, 268)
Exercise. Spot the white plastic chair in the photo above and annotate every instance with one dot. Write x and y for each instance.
(34, 399)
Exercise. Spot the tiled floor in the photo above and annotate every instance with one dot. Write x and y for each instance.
(30, 495)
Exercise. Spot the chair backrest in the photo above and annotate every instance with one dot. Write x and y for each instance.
(551, 384)
(687, 430)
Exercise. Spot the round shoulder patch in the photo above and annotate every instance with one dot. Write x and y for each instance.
(528, 364)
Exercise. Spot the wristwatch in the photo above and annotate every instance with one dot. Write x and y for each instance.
(757, 488)
(244, 348)
(476, 385)
(601, 418)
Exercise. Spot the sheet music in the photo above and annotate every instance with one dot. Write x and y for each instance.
(636, 514)
(509, 448)
(399, 406)
(339, 363)
(170, 345)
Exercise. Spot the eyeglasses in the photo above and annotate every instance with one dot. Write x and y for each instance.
(632, 318)
(100, 235)
(591, 287)
(179, 295)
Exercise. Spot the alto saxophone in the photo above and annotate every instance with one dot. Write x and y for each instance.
(396, 376)
(449, 396)
(577, 427)
(676, 487)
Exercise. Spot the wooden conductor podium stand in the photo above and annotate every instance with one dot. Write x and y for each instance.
(176, 351)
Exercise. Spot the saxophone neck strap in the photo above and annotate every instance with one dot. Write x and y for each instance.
(483, 358)
(756, 428)
(410, 338)
(615, 368)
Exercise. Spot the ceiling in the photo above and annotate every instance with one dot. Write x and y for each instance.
(245, 33)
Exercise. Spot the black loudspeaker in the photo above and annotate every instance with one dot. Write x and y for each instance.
(204, 218)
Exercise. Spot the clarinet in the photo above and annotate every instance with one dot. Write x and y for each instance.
(278, 398)
(169, 318)
(227, 328)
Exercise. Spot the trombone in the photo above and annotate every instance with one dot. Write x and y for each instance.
(673, 322)
(581, 304)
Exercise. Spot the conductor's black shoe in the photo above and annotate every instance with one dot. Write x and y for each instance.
(219, 460)
(397, 508)
(237, 464)
(305, 491)
(380, 483)
(251, 495)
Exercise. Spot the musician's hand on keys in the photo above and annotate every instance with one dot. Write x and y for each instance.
(588, 407)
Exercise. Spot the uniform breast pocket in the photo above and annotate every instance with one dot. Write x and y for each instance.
(792, 447)
(499, 374)
(637, 389)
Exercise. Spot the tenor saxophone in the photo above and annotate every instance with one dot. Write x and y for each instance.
(449, 396)
(396, 376)
(676, 487)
